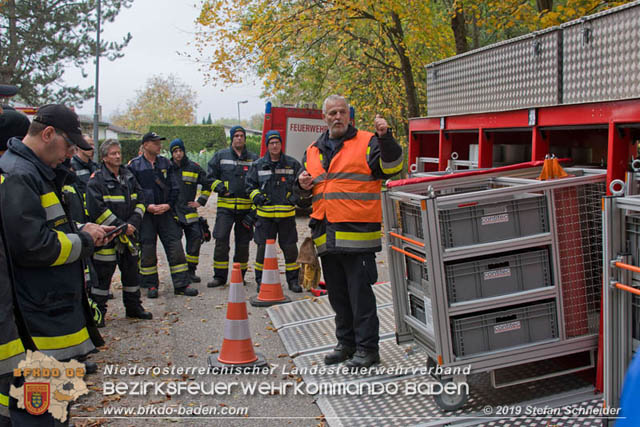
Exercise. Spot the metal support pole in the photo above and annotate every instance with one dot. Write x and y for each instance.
(96, 107)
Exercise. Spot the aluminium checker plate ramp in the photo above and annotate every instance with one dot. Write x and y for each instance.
(318, 308)
(392, 356)
(320, 334)
(388, 409)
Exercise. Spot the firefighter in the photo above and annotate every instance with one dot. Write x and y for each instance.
(13, 338)
(344, 170)
(160, 189)
(227, 171)
(83, 165)
(47, 247)
(114, 197)
(270, 186)
(190, 174)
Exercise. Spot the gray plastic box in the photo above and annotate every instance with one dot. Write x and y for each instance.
(504, 328)
(523, 215)
(498, 275)
(411, 220)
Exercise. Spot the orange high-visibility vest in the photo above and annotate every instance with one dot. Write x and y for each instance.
(347, 192)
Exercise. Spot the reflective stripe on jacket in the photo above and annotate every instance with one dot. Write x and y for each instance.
(274, 180)
(46, 251)
(347, 192)
(114, 201)
(190, 174)
(348, 174)
(227, 172)
(158, 181)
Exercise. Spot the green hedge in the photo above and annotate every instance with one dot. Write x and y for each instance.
(195, 137)
(253, 143)
(129, 149)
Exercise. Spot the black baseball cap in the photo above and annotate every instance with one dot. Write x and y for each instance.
(61, 117)
(8, 90)
(152, 136)
(12, 123)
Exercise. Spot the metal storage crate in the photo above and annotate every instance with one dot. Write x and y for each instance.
(547, 231)
(524, 215)
(498, 275)
(512, 327)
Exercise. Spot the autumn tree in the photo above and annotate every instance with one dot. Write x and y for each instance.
(477, 23)
(163, 100)
(371, 51)
(39, 38)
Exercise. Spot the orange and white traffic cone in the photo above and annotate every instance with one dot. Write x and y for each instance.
(270, 288)
(237, 348)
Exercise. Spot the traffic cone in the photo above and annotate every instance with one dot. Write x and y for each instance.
(270, 288)
(237, 348)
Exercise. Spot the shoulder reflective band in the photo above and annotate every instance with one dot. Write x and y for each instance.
(52, 206)
(189, 176)
(113, 199)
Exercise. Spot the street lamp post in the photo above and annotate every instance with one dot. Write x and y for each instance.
(96, 108)
(240, 102)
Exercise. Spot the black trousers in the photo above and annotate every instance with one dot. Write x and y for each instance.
(128, 265)
(285, 230)
(349, 278)
(193, 234)
(227, 219)
(165, 227)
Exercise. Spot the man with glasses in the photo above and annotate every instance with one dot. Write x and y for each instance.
(83, 165)
(45, 244)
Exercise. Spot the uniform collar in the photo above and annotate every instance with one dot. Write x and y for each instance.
(323, 141)
(18, 148)
(109, 175)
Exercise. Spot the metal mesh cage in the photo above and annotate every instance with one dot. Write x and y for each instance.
(579, 229)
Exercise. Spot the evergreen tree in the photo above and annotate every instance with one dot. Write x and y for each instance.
(39, 38)
(209, 122)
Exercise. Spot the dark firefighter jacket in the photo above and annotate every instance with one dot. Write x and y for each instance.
(158, 182)
(13, 337)
(46, 249)
(227, 172)
(358, 160)
(190, 174)
(275, 181)
(83, 171)
(115, 201)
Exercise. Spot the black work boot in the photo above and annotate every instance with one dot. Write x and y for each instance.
(193, 276)
(363, 359)
(215, 283)
(339, 354)
(187, 291)
(294, 287)
(138, 312)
